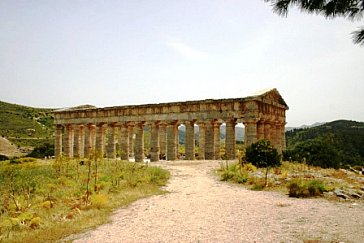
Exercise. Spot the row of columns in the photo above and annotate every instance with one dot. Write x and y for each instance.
(83, 140)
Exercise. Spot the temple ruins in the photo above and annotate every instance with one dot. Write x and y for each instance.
(119, 130)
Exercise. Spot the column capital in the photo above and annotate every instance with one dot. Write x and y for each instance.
(231, 121)
(250, 121)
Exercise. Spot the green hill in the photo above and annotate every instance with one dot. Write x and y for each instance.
(26, 126)
(344, 138)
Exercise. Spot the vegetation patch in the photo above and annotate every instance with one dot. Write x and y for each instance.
(310, 188)
(46, 201)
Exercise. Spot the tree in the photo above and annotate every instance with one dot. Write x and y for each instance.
(263, 155)
(316, 152)
(351, 9)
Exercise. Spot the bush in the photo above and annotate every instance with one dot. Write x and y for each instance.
(22, 160)
(234, 173)
(3, 157)
(310, 188)
(42, 151)
(263, 155)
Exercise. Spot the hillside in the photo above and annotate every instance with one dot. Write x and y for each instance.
(25, 126)
(345, 137)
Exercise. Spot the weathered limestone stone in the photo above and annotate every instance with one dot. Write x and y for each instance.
(230, 139)
(90, 137)
(163, 140)
(216, 127)
(172, 136)
(100, 139)
(263, 115)
(78, 148)
(124, 142)
(111, 141)
(154, 142)
(131, 139)
(139, 142)
(250, 131)
(267, 131)
(190, 140)
(202, 144)
(260, 130)
(58, 141)
(209, 141)
(68, 149)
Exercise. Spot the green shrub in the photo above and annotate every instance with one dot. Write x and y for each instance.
(309, 188)
(257, 187)
(262, 154)
(42, 151)
(3, 157)
(234, 173)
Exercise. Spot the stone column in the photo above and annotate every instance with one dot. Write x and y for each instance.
(78, 148)
(89, 140)
(82, 141)
(58, 142)
(190, 140)
(100, 140)
(68, 150)
(209, 141)
(267, 131)
(260, 130)
(154, 142)
(202, 133)
(131, 140)
(216, 127)
(281, 137)
(230, 139)
(111, 141)
(124, 142)
(139, 142)
(172, 135)
(162, 140)
(250, 131)
(273, 134)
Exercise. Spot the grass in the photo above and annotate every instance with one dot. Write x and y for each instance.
(47, 201)
(295, 179)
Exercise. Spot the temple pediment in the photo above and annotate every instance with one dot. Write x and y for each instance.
(271, 96)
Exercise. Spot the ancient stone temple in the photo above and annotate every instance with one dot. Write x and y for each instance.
(108, 131)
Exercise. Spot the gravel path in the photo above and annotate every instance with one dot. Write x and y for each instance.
(202, 209)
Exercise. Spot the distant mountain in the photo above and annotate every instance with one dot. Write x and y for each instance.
(26, 126)
(305, 126)
(346, 137)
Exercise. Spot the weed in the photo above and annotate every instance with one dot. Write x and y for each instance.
(43, 202)
(311, 188)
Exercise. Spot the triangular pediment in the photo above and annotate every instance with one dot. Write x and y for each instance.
(271, 95)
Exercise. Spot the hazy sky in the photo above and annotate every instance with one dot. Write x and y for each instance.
(123, 52)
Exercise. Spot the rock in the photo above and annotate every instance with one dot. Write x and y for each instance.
(355, 195)
(341, 194)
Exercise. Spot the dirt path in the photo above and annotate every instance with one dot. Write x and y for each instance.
(202, 209)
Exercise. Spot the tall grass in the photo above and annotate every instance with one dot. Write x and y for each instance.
(48, 201)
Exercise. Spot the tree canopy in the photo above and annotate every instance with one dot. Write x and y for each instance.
(350, 9)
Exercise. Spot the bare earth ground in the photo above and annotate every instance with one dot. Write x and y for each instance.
(202, 209)
(9, 149)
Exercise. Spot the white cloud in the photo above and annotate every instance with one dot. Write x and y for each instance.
(187, 51)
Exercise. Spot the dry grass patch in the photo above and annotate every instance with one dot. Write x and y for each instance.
(49, 201)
